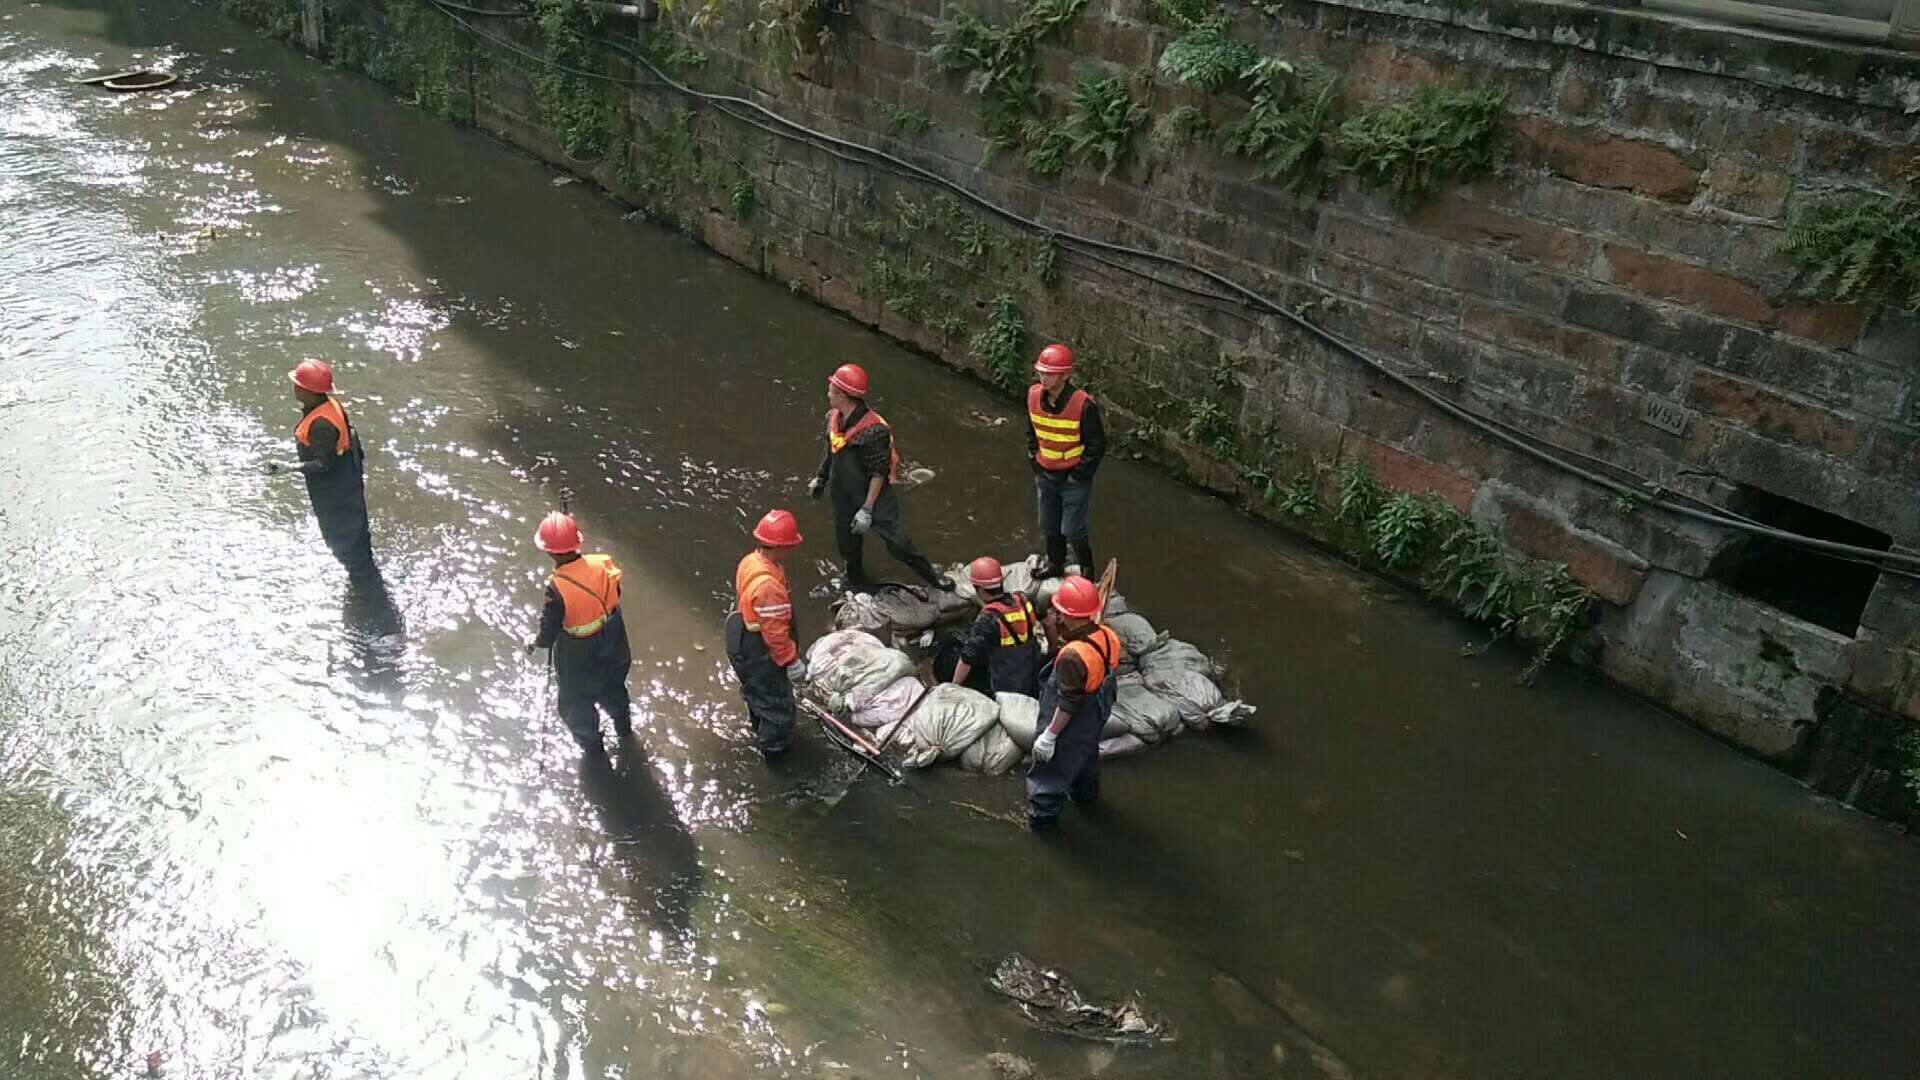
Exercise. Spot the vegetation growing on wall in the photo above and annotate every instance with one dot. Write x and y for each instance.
(1861, 249)
(579, 112)
(1411, 149)
(1001, 65)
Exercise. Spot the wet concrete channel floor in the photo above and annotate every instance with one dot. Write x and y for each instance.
(245, 823)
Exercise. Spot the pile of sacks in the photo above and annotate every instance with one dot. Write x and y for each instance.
(1164, 686)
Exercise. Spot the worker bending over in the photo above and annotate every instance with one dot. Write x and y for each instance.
(334, 466)
(1076, 696)
(1003, 637)
(1065, 442)
(860, 467)
(581, 623)
(760, 641)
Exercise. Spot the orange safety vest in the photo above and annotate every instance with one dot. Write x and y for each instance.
(1057, 434)
(332, 413)
(838, 440)
(1016, 619)
(755, 569)
(1098, 653)
(590, 588)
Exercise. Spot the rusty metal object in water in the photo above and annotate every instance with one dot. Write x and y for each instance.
(1050, 1002)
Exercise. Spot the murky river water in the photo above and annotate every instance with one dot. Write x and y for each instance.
(251, 822)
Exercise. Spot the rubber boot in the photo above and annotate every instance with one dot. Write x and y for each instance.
(856, 579)
(1083, 551)
(1056, 559)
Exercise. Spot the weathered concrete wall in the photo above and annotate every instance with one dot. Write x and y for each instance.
(1625, 265)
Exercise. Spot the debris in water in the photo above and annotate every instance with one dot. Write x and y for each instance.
(563, 181)
(155, 1060)
(1011, 1066)
(1052, 1003)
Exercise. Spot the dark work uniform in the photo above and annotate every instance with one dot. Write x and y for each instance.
(1064, 497)
(1002, 641)
(760, 647)
(591, 671)
(336, 485)
(868, 453)
(1086, 690)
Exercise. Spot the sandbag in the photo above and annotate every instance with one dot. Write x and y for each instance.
(860, 612)
(1193, 694)
(1174, 656)
(852, 678)
(1123, 744)
(993, 753)
(890, 704)
(1136, 633)
(1139, 711)
(1116, 605)
(821, 654)
(1018, 576)
(1019, 718)
(1042, 593)
(905, 612)
(950, 719)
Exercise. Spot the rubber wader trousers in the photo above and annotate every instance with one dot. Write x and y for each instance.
(1074, 771)
(339, 499)
(886, 526)
(592, 675)
(763, 685)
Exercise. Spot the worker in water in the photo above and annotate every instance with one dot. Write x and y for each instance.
(334, 467)
(581, 623)
(860, 467)
(1076, 695)
(1003, 637)
(760, 641)
(1065, 442)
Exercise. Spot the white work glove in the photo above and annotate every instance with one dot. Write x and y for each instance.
(1043, 746)
(275, 468)
(532, 644)
(815, 486)
(862, 521)
(797, 671)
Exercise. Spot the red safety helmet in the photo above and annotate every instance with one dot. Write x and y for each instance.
(313, 376)
(1078, 598)
(558, 535)
(849, 379)
(1054, 360)
(778, 529)
(985, 573)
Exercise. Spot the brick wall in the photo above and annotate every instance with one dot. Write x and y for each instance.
(1625, 263)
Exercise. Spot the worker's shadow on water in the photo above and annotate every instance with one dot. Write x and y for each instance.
(373, 633)
(1108, 844)
(653, 850)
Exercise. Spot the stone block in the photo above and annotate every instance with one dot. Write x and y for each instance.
(1384, 66)
(1685, 283)
(1582, 93)
(1880, 670)
(1457, 219)
(1768, 413)
(1592, 354)
(1892, 339)
(1747, 190)
(1842, 152)
(1542, 530)
(1893, 610)
(1735, 667)
(1673, 330)
(1594, 157)
(731, 239)
(1415, 475)
(1833, 325)
(1669, 119)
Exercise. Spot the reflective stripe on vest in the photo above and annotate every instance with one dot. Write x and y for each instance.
(754, 569)
(1015, 619)
(838, 440)
(1098, 652)
(330, 411)
(592, 592)
(1057, 434)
